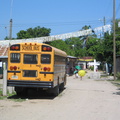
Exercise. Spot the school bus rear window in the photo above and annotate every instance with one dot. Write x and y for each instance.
(15, 57)
(30, 59)
(29, 73)
(45, 58)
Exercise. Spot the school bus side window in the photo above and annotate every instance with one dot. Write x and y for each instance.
(30, 59)
(15, 57)
(45, 58)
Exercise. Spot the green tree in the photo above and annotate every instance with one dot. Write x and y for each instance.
(75, 46)
(108, 48)
(60, 44)
(33, 33)
(86, 27)
(117, 37)
(108, 44)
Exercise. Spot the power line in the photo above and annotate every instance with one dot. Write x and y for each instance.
(94, 22)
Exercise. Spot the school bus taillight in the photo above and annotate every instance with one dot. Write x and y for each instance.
(46, 48)
(15, 47)
(13, 67)
(46, 68)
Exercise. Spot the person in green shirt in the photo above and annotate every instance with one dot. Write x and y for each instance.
(77, 68)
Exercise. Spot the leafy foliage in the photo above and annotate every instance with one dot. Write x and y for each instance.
(60, 44)
(33, 33)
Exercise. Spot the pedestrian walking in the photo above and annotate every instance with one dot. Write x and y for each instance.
(77, 68)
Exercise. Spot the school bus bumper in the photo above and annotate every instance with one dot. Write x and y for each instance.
(22, 83)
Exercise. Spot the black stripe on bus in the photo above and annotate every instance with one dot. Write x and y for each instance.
(46, 72)
(23, 83)
(14, 71)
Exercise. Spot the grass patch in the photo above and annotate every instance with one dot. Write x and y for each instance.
(1, 96)
(11, 96)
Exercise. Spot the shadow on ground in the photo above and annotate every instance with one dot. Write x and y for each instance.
(32, 94)
(117, 93)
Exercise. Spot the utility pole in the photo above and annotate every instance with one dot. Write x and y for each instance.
(104, 21)
(10, 30)
(114, 37)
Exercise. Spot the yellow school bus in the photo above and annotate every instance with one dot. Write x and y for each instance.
(36, 65)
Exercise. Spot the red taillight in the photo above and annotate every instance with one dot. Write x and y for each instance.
(46, 48)
(15, 47)
(13, 67)
(46, 68)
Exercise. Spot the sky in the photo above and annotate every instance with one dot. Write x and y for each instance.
(61, 16)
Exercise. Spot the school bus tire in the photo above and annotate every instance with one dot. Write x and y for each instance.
(65, 79)
(62, 85)
(56, 90)
(21, 91)
(18, 93)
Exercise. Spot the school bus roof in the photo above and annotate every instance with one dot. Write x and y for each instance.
(57, 51)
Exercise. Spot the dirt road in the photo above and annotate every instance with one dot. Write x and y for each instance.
(85, 99)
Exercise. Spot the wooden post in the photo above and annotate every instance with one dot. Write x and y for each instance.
(94, 65)
(4, 80)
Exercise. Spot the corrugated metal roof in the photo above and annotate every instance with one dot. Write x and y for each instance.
(3, 50)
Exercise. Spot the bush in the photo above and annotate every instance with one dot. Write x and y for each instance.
(91, 67)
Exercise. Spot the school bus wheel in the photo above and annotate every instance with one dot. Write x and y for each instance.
(56, 90)
(21, 91)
